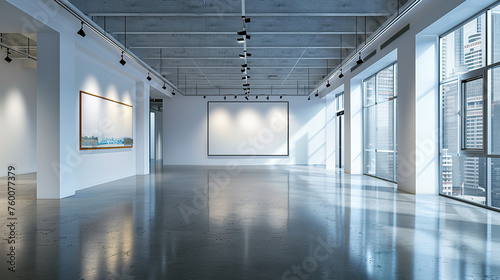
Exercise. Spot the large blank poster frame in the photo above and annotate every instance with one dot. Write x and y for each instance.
(105, 123)
(251, 128)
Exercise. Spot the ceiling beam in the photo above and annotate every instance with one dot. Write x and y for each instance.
(234, 33)
(239, 47)
(235, 67)
(371, 14)
(235, 58)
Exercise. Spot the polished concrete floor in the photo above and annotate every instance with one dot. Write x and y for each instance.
(294, 222)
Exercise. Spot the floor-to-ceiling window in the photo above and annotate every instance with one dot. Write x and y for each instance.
(379, 124)
(470, 110)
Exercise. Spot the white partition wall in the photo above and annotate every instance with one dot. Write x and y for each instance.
(185, 138)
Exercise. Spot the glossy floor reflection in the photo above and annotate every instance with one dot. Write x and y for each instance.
(293, 222)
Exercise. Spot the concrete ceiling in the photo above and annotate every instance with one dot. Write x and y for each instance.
(294, 44)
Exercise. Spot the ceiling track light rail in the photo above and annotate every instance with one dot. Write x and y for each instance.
(11, 49)
(375, 36)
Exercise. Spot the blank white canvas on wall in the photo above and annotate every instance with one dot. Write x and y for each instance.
(248, 128)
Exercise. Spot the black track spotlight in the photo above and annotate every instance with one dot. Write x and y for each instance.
(173, 92)
(267, 97)
(244, 65)
(248, 68)
(309, 97)
(164, 87)
(122, 61)
(248, 37)
(241, 40)
(246, 97)
(148, 77)
(81, 32)
(241, 55)
(242, 70)
(224, 98)
(204, 97)
(246, 85)
(317, 94)
(235, 96)
(281, 96)
(7, 58)
(247, 20)
(360, 60)
(328, 84)
(242, 33)
(248, 54)
(341, 75)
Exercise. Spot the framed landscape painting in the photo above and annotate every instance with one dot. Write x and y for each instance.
(105, 123)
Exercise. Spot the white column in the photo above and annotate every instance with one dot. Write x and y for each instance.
(353, 127)
(57, 142)
(406, 116)
(331, 121)
(142, 128)
(48, 129)
(427, 108)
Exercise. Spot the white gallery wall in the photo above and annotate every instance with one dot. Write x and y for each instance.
(67, 64)
(185, 138)
(94, 76)
(17, 116)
